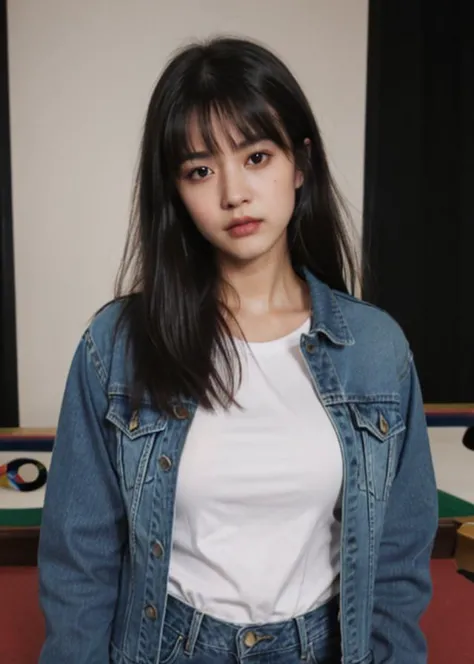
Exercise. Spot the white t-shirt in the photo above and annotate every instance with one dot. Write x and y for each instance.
(255, 538)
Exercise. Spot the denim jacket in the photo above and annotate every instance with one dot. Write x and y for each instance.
(107, 525)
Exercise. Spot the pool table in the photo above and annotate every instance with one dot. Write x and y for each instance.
(19, 524)
(447, 624)
(451, 430)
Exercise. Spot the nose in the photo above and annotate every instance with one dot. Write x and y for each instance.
(234, 189)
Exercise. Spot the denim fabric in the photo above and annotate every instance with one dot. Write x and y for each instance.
(106, 535)
(194, 638)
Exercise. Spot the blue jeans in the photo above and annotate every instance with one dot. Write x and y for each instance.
(191, 637)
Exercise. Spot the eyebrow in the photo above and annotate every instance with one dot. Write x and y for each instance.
(204, 154)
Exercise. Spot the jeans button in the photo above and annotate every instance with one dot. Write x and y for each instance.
(250, 639)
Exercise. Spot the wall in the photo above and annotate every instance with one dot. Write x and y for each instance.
(80, 78)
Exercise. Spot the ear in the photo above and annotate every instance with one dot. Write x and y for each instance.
(299, 177)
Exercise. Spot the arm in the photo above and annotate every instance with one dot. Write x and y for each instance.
(83, 524)
(403, 580)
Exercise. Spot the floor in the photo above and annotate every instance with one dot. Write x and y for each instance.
(447, 623)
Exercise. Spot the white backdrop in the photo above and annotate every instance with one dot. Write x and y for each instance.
(80, 78)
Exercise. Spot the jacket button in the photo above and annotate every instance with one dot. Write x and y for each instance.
(310, 348)
(165, 463)
(134, 422)
(157, 549)
(151, 612)
(180, 412)
(383, 425)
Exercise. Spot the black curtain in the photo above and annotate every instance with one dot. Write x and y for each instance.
(8, 351)
(419, 184)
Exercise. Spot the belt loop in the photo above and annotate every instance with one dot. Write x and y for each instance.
(193, 633)
(301, 627)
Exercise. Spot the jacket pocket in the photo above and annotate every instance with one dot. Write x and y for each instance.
(379, 428)
(137, 433)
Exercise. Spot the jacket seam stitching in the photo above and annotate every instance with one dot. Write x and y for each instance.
(406, 367)
(96, 359)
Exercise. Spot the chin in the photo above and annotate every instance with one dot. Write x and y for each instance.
(253, 248)
(245, 256)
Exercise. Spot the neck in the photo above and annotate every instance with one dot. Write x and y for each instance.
(266, 285)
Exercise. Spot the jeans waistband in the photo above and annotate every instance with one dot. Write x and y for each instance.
(297, 632)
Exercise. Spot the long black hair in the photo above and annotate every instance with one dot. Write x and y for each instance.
(179, 339)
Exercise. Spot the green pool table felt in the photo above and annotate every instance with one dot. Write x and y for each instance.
(449, 506)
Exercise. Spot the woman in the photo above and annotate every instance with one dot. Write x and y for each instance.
(242, 469)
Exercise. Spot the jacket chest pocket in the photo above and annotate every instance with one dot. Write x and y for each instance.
(379, 428)
(137, 436)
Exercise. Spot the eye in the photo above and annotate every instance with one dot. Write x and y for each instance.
(198, 173)
(258, 158)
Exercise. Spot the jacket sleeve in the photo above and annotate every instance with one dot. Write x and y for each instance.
(83, 524)
(403, 580)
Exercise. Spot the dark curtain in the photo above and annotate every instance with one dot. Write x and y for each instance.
(419, 184)
(8, 352)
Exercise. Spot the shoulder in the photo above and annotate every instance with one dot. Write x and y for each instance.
(105, 339)
(105, 322)
(375, 330)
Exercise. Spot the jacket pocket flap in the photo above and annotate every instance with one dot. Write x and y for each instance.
(382, 420)
(134, 423)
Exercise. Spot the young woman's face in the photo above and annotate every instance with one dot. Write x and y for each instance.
(242, 198)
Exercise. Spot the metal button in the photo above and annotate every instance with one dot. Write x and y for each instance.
(310, 348)
(165, 463)
(157, 549)
(134, 422)
(383, 425)
(181, 412)
(250, 639)
(151, 612)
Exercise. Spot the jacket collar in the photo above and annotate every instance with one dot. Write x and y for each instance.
(327, 317)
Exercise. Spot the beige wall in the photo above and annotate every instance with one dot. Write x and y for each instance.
(80, 76)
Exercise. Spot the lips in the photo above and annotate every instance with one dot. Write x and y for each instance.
(242, 221)
(243, 227)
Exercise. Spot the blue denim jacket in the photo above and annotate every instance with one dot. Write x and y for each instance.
(106, 534)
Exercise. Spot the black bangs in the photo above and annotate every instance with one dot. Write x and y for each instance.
(242, 117)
